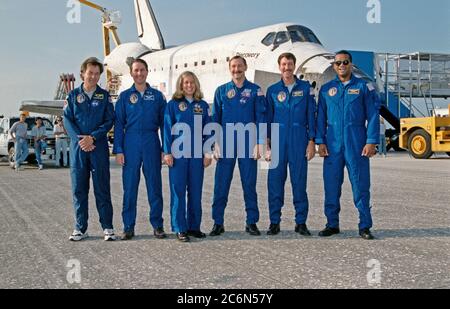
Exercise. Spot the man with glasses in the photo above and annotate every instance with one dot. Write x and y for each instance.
(61, 142)
(347, 133)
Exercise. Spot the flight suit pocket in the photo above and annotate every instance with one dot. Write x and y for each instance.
(334, 112)
(356, 109)
(300, 110)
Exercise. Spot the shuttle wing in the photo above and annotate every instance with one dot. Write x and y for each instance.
(43, 107)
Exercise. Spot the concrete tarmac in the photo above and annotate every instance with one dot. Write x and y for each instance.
(411, 211)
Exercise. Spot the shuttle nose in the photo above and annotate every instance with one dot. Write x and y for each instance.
(318, 70)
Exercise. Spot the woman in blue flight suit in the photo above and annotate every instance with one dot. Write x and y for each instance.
(186, 113)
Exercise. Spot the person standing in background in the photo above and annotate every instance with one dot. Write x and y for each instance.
(38, 133)
(61, 142)
(18, 133)
(382, 147)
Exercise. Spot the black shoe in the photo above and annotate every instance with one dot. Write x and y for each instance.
(127, 235)
(302, 230)
(366, 234)
(329, 231)
(274, 229)
(217, 230)
(183, 237)
(252, 229)
(159, 233)
(196, 234)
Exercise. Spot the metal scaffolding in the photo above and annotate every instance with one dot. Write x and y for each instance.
(66, 84)
(416, 75)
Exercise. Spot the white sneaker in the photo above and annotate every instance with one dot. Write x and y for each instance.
(109, 235)
(77, 236)
(41, 167)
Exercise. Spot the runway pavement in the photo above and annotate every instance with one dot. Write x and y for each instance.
(411, 210)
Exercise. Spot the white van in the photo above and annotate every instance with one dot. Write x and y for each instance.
(7, 144)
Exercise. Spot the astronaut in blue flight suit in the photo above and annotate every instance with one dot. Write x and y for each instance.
(347, 133)
(185, 118)
(238, 102)
(88, 116)
(139, 116)
(292, 106)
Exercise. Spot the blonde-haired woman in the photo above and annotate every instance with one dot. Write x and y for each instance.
(186, 159)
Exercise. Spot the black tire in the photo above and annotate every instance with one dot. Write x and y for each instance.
(397, 148)
(419, 144)
(394, 145)
(448, 154)
(31, 159)
(393, 140)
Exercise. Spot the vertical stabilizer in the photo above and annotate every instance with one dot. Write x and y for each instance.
(147, 26)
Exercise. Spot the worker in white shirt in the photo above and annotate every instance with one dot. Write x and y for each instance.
(61, 142)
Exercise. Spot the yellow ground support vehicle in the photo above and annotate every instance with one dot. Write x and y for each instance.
(424, 136)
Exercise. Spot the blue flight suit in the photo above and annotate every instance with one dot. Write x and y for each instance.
(187, 171)
(295, 114)
(347, 120)
(90, 116)
(233, 105)
(138, 118)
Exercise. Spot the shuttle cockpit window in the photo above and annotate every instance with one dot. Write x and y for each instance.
(269, 39)
(302, 34)
(282, 37)
(294, 34)
(275, 39)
